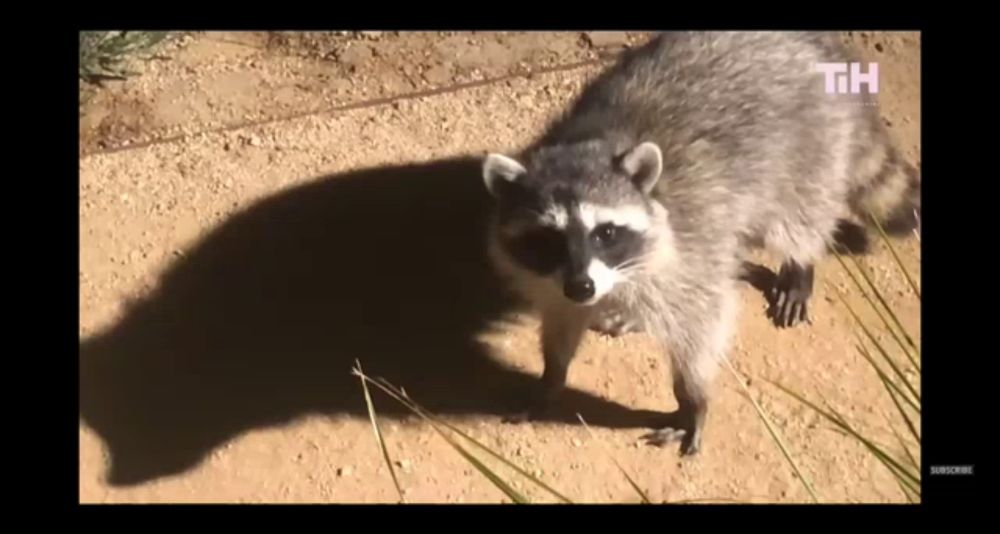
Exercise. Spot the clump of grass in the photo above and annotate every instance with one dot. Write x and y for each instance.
(891, 363)
(449, 432)
(103, 54)
(454, 436)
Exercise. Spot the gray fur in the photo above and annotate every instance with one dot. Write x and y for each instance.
(723, 140)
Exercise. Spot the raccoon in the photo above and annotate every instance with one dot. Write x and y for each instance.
(640, 203)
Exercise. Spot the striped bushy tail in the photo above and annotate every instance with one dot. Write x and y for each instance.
(891, 195)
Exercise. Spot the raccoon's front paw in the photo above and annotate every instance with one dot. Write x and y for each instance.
(534, 411)
(614, 324)
(534, 407)
(790, 295)
(790, 308)
(680, 427)
(661, 437)
(521, 417)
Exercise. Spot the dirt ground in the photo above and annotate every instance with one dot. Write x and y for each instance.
(259, 210)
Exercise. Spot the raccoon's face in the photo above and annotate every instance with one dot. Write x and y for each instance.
(578, 217)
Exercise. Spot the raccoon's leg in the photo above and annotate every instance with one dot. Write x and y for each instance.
(790, 295)
(686, 424)
(802, 243)
(696, 346)
(562, 331)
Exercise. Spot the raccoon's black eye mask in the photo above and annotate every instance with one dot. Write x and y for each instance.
(541, 249)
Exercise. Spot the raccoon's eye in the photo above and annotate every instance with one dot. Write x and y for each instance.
(606, 233)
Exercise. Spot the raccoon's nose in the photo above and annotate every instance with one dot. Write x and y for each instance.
(579, 289)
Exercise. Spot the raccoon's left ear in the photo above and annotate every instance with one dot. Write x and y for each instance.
(499, 170)
(643, 163)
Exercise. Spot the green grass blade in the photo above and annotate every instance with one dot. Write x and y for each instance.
(416, 408)
(902, 444)
(881, 299)
(899, 408)
(482, 468)
(635, 486)
(902, 477)
(892, 250)
(837, 420)
(841, 421)
(892, 315)
(496, 480)
(886, 381)
(907, 487)
(437, 426)
(773, 432)
(874, 340)
(508, 463)
(378, 436)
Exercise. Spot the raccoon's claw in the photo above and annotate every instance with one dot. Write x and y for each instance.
(664, 436)
(684, 425)
(790, 309)
(690, 441)
(790, 295)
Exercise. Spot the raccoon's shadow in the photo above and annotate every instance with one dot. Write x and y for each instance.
(262, 322)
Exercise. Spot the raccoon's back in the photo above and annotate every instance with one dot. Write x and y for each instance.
(726, 86)
(748, 135)
(742, 120)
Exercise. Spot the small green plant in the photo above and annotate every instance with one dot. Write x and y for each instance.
(103, 54)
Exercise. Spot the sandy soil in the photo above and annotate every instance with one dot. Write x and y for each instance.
(259, 210)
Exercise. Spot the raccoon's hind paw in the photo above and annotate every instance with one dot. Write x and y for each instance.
(790, 295)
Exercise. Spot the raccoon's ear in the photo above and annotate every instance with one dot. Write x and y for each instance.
(499, 170)
(643, 163)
